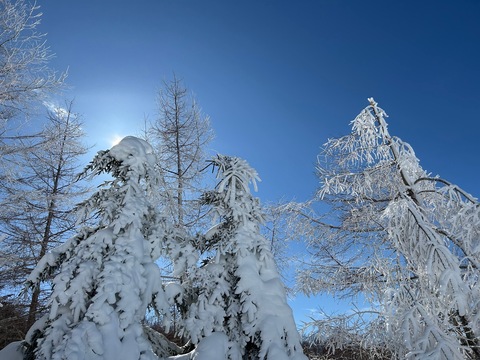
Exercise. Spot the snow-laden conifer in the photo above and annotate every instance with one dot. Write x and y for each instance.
(240, 292)
(107, 276)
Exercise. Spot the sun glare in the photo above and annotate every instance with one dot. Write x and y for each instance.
(115, 139)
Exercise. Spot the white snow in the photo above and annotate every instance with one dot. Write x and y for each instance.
(13, 351)
(216, 346)
(134, 152)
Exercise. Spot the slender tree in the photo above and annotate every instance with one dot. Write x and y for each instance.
(25, 80)
(37, 206)
(107, 274)
(405, 239)
(179, 135)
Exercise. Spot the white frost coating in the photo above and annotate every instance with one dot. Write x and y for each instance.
(415, 239)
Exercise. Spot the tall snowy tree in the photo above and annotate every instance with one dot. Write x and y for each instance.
(407, 240)
(25, 80)
(239, 291)
(37, 207)
(179, 136)
(107, 275)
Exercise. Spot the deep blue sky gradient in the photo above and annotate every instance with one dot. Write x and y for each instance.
(278, 78)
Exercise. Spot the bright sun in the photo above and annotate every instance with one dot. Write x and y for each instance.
(115, 139)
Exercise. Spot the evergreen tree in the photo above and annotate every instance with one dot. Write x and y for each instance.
(240, 292)
(107, 275)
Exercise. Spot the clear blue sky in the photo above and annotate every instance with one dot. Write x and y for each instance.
(278, 78)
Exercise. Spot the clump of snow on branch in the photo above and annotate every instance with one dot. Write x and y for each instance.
(233, 189)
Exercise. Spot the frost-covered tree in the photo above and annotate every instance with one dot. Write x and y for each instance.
(239, 291)
(25, 78)
(37, 207)
(107, 276)
(24, 56)
(179, 136)
(407, 240)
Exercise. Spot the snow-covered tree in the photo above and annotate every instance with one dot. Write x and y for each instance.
(37, 207)
(179, 135)
(407, 240)
(107, 276)
(24, 56)
(238, 290)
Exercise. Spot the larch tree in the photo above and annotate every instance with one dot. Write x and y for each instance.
(106, 274)
(239, 292)
(179, 136)
(24, 56)
(37, 206)
(405, 239)
(25, 81)
(25, 78)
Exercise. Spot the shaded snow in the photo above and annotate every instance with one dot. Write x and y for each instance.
(133, 152)
(213, 347)
(12, 351)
